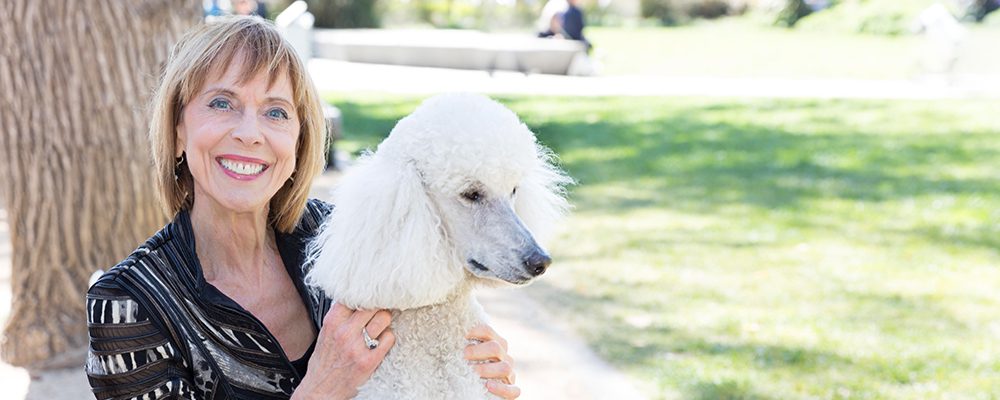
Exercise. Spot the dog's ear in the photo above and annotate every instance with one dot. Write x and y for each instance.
(383, 245)
(541, 195)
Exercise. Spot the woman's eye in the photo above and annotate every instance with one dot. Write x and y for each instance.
(277, 113)
(220, 104)
(472, 195)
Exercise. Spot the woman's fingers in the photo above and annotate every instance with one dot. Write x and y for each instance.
(486, 351)
(360, 318)
(484, 333)
(503, 390)
(337, 314)
(494, 363)
(378, 323)
(385, 342)
(502, 370)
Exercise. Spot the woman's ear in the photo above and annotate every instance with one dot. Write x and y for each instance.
(180, 139)
(383, 245)
(541, 195)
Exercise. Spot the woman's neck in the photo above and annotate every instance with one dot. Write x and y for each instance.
(231, 244)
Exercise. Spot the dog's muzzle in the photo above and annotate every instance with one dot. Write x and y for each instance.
(537, 262)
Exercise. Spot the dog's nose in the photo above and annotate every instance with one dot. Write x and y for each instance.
(537, 262)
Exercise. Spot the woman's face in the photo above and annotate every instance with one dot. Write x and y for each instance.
(239, 140)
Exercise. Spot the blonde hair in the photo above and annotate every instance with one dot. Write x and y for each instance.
(209, 50)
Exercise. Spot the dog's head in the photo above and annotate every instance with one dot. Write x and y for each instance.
(460, 189)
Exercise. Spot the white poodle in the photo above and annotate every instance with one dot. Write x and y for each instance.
(450, 201)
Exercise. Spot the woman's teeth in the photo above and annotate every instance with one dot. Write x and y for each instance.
(241, 168)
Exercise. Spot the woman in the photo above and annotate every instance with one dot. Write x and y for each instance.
(214, 305)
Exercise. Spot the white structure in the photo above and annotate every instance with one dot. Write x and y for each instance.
(450, 48)
(296, 24)
(945, 36)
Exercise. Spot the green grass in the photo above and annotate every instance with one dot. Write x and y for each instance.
(742, 47)
(772, 249)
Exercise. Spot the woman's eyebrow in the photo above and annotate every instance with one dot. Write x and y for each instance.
(220, 90)
(278, 99)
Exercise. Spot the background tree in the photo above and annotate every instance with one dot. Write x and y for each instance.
(76, 174)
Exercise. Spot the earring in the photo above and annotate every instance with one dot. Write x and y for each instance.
(177, 166)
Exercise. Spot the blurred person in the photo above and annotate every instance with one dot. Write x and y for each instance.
(249, 7)
(213, 9)
(944, 38)
(544, 23)
(555, 29)
(977, 10)
(215, 304)
(573, 23)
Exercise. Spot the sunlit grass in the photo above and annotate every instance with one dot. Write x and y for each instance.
(772, 249)
(743, 47)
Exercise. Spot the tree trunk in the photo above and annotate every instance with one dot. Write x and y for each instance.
(75, 168)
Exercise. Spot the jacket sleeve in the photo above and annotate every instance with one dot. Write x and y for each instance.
(129, 356)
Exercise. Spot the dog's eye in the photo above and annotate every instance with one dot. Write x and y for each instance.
(472, 195)
(513, 192)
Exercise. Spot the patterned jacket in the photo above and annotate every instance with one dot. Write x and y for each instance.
(159, 331)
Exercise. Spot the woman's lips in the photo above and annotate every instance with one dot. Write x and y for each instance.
(242, 168)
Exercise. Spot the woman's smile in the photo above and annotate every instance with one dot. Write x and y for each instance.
(241, 168)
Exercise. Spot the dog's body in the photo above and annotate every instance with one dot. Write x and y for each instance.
(427, 218)
(427, 361)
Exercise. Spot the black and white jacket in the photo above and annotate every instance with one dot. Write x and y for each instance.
(159, 331)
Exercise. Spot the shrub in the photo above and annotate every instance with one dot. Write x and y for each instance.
(673, 12)
(879, 17)
(344, 13)
(336, 13)
(790, 12)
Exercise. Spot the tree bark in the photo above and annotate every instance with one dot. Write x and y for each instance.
(75, 168)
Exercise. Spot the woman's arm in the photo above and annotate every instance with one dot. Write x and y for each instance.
(492, 361)
(129, 356)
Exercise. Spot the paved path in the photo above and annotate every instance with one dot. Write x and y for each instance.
(340, 76)
(552, 363)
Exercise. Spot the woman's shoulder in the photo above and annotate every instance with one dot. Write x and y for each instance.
(148, 264)
(313, 217)
(320, 208)
(131, 351)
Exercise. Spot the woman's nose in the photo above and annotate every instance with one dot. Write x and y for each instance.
(248, 131)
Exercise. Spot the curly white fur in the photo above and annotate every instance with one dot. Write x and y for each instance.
(413, 219)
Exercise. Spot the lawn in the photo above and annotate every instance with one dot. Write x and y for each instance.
(742, 47)
(772, 249)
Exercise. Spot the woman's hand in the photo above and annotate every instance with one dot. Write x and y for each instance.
(493, 362)
(342, 361)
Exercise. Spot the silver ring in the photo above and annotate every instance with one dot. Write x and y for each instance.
(371, 343)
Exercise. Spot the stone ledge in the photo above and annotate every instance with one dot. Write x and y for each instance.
(448, 48)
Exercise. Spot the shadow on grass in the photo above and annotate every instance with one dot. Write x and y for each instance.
(723, 390)
(721, 355)
(645, 346)
(700, 163)
(702, 166)
(706, 157)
